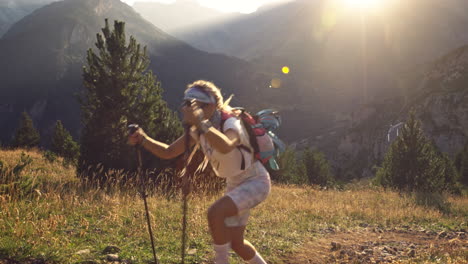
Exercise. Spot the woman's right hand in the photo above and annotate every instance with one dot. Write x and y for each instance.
(136, 138)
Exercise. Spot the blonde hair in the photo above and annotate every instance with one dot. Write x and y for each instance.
(212, 89)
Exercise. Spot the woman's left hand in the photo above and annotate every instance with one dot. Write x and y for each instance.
(193, 114)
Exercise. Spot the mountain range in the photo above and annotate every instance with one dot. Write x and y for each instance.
(343, 58)
(11, 11)
(181, 15)
(439, 100)
(43, 54)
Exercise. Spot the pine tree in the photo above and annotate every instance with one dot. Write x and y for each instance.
(317, 168)
(63, 144)
(413, 164)
(120, 90)
(26, 135)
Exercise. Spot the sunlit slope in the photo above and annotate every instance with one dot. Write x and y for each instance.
(340, 57)
(439, 96)
(178, 15)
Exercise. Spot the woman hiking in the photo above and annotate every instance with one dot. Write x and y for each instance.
(228, 149)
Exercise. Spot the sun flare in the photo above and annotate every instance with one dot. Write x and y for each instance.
(363, 4)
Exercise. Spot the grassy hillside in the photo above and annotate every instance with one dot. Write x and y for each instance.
(58, 220)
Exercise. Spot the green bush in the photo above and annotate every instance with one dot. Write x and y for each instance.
(310, 167)
(317, 169)
(13, 183)
(432, 199)
(49, 156)
(291, 171)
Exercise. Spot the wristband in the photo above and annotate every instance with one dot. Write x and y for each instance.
(204, 126)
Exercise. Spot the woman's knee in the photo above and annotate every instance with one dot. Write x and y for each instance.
(221, 209)
(214, 212)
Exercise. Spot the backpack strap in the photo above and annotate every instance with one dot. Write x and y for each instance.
(225, 116)
(240, 147)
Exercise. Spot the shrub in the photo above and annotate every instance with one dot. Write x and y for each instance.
(12, 182)
(317, 169)
(291, 170)
(49, 156)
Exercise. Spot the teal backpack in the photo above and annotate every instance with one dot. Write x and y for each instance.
(266, 145)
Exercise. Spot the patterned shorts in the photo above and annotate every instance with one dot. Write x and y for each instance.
(248, 194)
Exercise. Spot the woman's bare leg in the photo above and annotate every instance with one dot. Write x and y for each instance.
(222, 234)
(242, 247)
(221, 209)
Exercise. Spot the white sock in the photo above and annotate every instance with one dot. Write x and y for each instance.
(257, 259)
(221, 253)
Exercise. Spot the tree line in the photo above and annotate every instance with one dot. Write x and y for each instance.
(62, 143)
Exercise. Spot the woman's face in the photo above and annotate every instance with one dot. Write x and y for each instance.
(193, 109)
(208, 109)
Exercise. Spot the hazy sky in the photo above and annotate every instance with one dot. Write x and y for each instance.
(244, 6)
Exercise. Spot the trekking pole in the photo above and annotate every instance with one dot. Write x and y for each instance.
(185, 192)
(131, 129)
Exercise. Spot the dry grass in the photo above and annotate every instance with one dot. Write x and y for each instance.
(56, 223)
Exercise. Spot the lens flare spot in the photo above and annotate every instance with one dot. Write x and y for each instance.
(275, 83)
(285, 70)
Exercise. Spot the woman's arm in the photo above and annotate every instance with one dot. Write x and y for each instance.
(158, 148)
(223, 143)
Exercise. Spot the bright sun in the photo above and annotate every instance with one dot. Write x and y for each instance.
(363, 4)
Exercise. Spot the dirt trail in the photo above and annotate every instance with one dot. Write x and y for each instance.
(379, 246)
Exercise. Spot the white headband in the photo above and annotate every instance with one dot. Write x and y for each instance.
(196, 93)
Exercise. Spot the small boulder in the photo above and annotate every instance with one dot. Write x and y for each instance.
(441, 234)
(335, 246)
(461, 235)
(111, 250)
